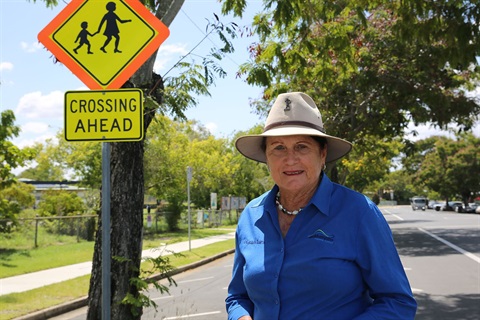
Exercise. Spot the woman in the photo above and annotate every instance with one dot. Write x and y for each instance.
(310, 248)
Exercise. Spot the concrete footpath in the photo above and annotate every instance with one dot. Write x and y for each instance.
(39, 279)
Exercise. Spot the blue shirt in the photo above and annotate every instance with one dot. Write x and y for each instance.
(338, 261)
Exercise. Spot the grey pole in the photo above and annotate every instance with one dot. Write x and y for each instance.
(106, 191)
(189, 178)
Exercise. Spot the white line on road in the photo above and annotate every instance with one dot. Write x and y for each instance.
(161, 298)
(398, 217)
(193, 280)
(451, 245)
(193, 315)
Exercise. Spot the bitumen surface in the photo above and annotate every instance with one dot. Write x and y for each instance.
(39, 279)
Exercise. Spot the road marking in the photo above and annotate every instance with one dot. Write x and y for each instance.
(161, 298)
(451, 245)
(414, 290)
(398, 217)
(193, 315)
(194, 280)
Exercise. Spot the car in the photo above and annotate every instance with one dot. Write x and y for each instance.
(469, 208)
(438, 206)
(450, 207)
(418, 203)
(431, 204)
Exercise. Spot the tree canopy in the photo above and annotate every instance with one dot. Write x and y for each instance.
(369, 62)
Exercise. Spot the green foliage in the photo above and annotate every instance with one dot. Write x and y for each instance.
(372, 66)
(85, 158)
(369, 162)
(155, 269)
(400, 182)
(452, 167)
(60, 203)
(10, 155)
(49, 166)
(13, 199)
(216, 167)
(8, 210)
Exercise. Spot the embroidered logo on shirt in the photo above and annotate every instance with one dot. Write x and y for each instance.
(322, 235)
(256, 241)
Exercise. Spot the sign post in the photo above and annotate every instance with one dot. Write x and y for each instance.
(189, 178)
(106, 262)
(104, 43)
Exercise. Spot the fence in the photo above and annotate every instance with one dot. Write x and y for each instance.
(81, 226)
(200, 218)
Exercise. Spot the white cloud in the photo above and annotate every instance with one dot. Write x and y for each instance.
(425, 131)
(35, 105)
(6, 66)
(212, 127)
(173, 49)
(168, 55)
(22, 143)
(30, 47)
(35, 127)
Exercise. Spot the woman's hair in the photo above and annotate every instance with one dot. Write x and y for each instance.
(321, 141)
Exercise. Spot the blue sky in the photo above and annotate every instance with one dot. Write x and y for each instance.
(33, 86)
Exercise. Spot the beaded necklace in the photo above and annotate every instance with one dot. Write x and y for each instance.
(281, 208)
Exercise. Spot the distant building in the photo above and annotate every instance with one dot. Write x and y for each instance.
(42, 186)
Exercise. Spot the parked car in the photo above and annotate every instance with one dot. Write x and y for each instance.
(419, 203)
(438, 206)
(469, 208)
(431, 204)
(450, 207)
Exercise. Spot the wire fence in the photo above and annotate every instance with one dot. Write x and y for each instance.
(80, 226)
(39, 230)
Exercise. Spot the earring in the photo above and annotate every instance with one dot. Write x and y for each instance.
(324, 167)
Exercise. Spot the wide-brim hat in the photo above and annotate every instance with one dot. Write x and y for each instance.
(293, 113)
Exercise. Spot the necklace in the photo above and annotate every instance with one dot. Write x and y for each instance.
(281, 208)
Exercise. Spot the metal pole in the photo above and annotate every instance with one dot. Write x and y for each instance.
(106, 191)
(36, 231)
(189, 177)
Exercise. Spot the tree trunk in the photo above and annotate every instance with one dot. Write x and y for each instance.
(126, 207)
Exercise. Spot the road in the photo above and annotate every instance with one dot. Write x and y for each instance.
(440, 252)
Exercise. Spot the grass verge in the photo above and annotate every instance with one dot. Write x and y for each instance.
(17, 260)
(17, 304)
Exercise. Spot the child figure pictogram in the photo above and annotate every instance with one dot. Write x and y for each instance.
(83, 38)
(111, 28)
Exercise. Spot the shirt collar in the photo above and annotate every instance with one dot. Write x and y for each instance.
(321, 197)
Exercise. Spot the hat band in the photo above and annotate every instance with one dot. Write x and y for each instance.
(294, 123)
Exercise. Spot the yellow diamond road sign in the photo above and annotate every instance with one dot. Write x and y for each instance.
(104, 115)
(103, 42)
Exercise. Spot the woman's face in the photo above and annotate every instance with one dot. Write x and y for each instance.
(295, 162)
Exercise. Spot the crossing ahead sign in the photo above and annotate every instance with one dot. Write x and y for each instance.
(104, 115)
(103, 42)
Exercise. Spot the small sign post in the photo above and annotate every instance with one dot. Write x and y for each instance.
(189, 178)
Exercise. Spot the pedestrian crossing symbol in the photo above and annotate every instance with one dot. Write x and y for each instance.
(103, 42)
